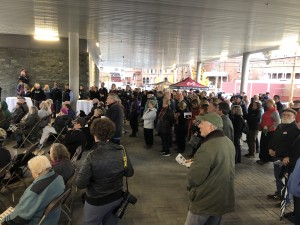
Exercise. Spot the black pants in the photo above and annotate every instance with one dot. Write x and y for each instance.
(148, 136)
(237, 146)
(166, 139)
(134, 123)
(180, 138)
(264, 146)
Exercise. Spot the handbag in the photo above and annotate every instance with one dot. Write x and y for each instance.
(195, 141)
(245, 129)
(127, 197)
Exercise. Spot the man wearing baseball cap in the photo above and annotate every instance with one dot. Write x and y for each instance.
(211, 175)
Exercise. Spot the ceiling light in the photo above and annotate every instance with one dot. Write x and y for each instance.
(97, 44)
(46, 34)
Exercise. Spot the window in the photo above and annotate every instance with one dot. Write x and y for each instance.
(274, 76)
(144, 80)
(297, 76)
(280, 75)
(288, 76)
(147, 80)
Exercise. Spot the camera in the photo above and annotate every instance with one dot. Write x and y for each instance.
(127, 198)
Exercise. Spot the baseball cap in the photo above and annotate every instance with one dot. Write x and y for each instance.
(80, 120)
(212, 118)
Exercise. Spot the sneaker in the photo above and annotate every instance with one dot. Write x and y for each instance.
(162, 152)
(274, 196)
(166, 154)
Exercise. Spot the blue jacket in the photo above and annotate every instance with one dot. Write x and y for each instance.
(35, 199)
(294, 180)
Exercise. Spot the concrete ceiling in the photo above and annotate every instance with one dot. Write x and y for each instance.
(158, 33)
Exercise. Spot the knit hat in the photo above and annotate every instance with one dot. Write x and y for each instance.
(64, 111)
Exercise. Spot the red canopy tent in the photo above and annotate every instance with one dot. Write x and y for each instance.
(189, 83)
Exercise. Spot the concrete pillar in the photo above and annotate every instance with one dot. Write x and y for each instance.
(97, 76)
(74, 64)
(245, 72)
(199, 69)
(91, 71)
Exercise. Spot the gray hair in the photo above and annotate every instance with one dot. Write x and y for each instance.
(39, 164)
(115, 97)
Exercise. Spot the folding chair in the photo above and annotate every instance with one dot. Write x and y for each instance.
(20, 165)
(45, 121)
(76, 155)
(34, 130)
(3, 171)
(59, 135)
(69, 185)
(55, 204)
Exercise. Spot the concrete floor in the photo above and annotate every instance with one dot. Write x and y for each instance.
(159, 184)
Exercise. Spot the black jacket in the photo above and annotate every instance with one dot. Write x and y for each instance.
(102, 173)
(61, 122)
(115, 114)
(283, 138)
(253, 119)
(238, 124)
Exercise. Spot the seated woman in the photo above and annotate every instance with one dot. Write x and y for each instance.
(5, 156)
(4, 119)
(97, 114)
(47, 186)
(25, 126)
(44, 110)
(102, 175)
(60, 161)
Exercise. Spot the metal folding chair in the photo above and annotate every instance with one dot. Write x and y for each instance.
(34, 131)
(76, 155)
(55, 204)
(59, 135)
(3, 171)
(20, 165)
(68, 205)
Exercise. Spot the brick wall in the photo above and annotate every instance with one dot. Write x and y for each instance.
(43, 66)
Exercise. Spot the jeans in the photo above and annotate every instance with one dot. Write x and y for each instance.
(193, 219)
(264, 146)
(277, 171)
(102, 214)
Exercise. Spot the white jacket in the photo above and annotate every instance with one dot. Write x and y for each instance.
(149, 117)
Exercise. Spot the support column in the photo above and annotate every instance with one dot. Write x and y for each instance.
(97, 76)
(245, 72)
(293, 81)
(74, 64)
(91, 71)
(199, 69)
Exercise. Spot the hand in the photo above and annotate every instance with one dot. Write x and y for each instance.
(286, 160)
(272, 153)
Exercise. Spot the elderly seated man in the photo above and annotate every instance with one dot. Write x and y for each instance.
(47, 186)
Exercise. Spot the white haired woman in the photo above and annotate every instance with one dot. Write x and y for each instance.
(47, 185)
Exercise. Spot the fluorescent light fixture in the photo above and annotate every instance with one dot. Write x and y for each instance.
(97, 44)
(46, 34)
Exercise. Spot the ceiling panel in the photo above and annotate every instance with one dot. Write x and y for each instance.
(158, 33)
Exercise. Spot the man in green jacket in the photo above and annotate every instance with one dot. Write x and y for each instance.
(211, 175)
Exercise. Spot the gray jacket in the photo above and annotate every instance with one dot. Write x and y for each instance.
(228, 127)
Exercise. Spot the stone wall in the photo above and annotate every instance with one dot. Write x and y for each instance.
(43, 66)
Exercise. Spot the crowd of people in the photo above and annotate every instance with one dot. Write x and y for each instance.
(177, 117)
